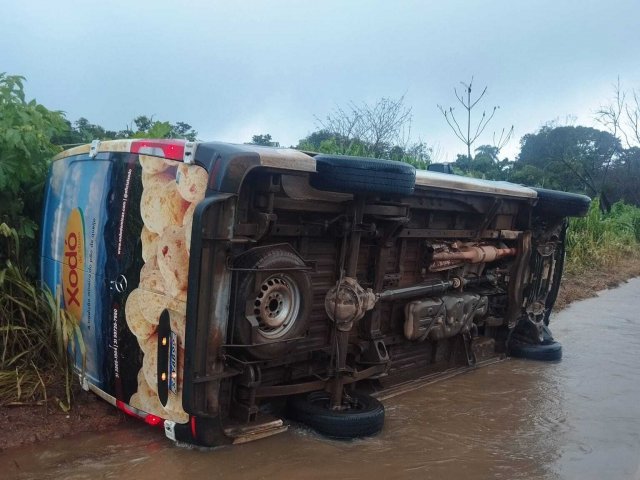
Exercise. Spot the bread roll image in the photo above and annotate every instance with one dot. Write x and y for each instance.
(161, 206)
(136, 321)
(177, 415)
(149, 241)
(150, 364)
(187, 223)
(151, 264)
(152, 164)
(180, 297)
(192, 182)
(146, 399)
(148, 404)
(150, 276)
(178, 303)
(148, 343)
(152, 280)
(142, 382)
(136, 402)
(152, 179)
(144, 389)
(173, 259)
(142, 312)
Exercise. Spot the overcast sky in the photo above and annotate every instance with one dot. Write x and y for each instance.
(234, 69)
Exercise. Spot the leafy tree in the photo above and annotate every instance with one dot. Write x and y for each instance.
(485, 164)
(624, 178)
(417, 154)
(264, 139)
(183, 130)
(26, 130)
(572, 158)
(324, 141)
(82, 131)
(147, 127)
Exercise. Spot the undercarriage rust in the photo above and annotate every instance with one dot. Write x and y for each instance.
(401, 286)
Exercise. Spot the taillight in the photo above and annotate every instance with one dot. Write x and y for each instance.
(171, 149)
(153, 420)
(148, 418)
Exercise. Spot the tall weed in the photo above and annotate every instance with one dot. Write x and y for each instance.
(35, 334)
(603, 240)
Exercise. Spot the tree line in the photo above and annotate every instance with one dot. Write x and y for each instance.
(600, 162)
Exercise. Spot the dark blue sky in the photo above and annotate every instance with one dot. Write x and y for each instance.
(233, 69)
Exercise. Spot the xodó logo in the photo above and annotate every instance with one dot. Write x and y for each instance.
(73, 266)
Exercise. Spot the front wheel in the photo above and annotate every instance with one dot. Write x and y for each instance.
(361, 415)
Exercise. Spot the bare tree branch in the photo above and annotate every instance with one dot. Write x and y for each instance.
(466, 101)
(633, 117)
(377, 127)
(503, 139)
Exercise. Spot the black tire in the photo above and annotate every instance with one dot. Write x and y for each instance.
(547, 351)
(364, 416)
(561, 204)
(363, 175)
(275, 296)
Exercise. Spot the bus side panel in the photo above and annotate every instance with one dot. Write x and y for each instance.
(73, 255)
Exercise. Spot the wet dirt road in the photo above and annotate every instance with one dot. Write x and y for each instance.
(579, 418)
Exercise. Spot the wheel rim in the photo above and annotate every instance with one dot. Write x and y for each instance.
(277, 305)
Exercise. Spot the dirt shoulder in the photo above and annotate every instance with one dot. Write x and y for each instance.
(24, 425)
(580, 285)
(27, 424)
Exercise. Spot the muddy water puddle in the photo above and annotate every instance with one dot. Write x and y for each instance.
(579, 418)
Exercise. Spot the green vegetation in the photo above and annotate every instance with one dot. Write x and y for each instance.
(264, 140)
(35, 334)
(603, 240)
(82, 131)
(26, 130)
(32, 327)
(379, 130)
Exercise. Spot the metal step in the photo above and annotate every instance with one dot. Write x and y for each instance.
(243, 433)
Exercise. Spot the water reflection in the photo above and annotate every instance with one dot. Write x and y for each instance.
(579, 418)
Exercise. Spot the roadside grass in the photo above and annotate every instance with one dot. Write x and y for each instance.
(603, 241)
(603, 250)
(35, 334)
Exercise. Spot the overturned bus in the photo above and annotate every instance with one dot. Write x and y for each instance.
(222, 289)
